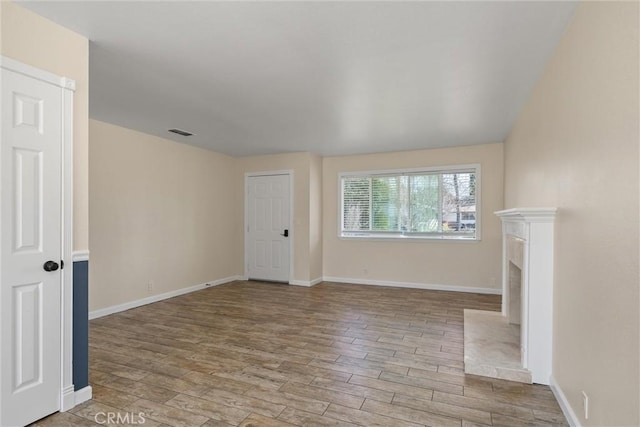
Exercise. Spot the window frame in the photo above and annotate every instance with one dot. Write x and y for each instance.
(412, 237)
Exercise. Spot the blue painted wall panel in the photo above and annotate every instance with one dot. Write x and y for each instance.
(80, 324)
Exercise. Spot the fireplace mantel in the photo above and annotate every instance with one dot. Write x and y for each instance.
(528, 214)
(527, 302)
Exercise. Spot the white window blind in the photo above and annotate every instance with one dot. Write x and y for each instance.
(428, 203)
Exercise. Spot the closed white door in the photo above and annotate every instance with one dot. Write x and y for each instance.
(30, 231)
(268, 227)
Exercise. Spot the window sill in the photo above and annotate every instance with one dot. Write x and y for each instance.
(406, 239)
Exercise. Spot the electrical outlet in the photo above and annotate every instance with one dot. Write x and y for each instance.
(150, 286)
(585, 404)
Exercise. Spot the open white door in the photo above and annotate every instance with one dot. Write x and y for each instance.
(31, 249)
(268, 227)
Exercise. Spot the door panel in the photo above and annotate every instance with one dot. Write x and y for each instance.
(27, 340)
(30, 227)
(27, 203)
(268, 203)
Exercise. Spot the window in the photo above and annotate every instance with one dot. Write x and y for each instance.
(441, 203)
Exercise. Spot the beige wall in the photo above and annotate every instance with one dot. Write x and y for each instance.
(38, 42)
(436, 262)
(315, 218)
(159, 211)
(138, 218)
(575, 146)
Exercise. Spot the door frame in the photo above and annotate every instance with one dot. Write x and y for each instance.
(68, 87)
(247, 175)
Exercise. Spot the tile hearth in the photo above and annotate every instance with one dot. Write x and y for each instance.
(492, 347)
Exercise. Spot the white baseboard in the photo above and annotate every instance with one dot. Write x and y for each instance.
(433, 287)
(307, 283)
(83, 395)
(155, 298)
(567, 410)
(68, 400)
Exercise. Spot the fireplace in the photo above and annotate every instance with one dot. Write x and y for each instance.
(514, 256)
(515, 294)
(516, 343)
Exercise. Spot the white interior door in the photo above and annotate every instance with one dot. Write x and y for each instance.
(268, 227)
(30, 231)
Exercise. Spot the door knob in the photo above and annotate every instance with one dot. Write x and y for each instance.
(285, 234)
(50, 266)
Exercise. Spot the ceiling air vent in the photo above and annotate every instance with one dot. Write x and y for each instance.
(181, 132)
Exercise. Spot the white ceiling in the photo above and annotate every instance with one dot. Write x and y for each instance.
(325, 77)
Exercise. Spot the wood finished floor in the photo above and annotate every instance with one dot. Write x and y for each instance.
(259, 354)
